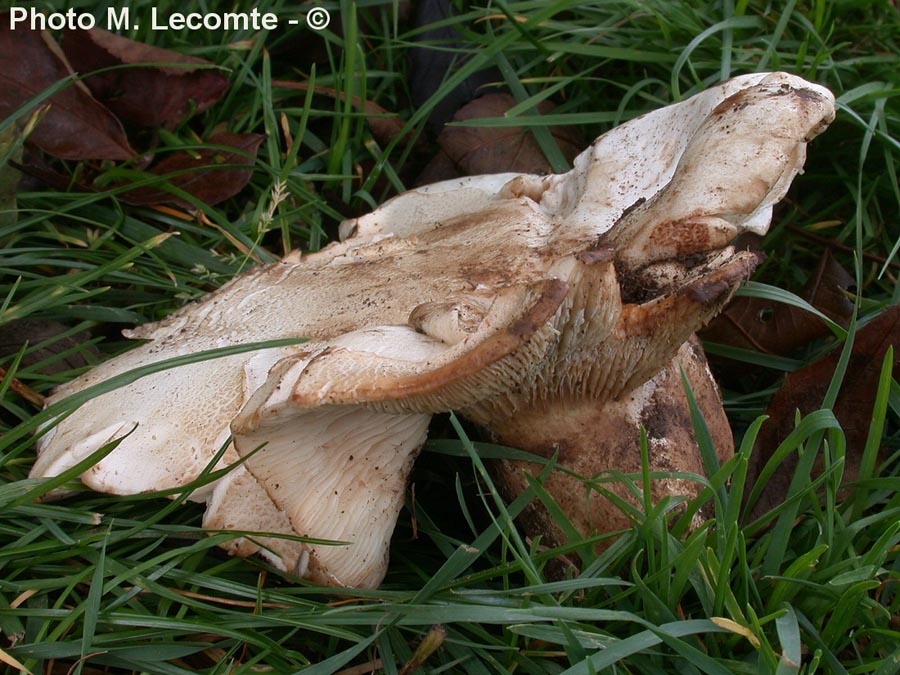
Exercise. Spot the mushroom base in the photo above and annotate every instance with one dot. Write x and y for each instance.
(593, 437)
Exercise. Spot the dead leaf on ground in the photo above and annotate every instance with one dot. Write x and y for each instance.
(149, 95)
(76, 126)
(65, 354)
(776, 328)
(40, 169)
(59, 356)
(805, 389)
(213, 176)
(384, 125)
(479, 150)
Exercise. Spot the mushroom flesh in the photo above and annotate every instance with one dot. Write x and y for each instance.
(507, 297)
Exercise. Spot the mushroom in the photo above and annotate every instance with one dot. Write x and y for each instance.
(592, 436)
(515, 299)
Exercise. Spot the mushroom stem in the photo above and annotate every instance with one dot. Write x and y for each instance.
(591, 437)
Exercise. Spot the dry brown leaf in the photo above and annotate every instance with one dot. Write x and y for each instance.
(805, 389)
(76, 126)
(776, 328)
(480, 150)
(213, 176)
(384, 125)
(14, 335)
(150, 96)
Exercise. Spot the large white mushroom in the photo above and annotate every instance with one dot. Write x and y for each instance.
(522, 301)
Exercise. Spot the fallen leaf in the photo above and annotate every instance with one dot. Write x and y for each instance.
(58, 356)
(38, 167)
(147, 95)
(63, 354)
(776, 328)
(384, 125)
(210, 174)
(481, 150)
(76, 126)
(805, 389)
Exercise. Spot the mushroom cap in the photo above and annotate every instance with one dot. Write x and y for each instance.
(485, 294)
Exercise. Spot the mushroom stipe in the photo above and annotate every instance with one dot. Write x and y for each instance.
(557, 312)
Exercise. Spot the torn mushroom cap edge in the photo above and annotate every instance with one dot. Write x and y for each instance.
(350, 415)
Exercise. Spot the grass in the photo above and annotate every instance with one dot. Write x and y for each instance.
(108, 584)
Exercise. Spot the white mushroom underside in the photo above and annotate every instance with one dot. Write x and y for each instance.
(354, 497)
(447, 297)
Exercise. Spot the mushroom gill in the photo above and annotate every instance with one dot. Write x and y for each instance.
(508, 297)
